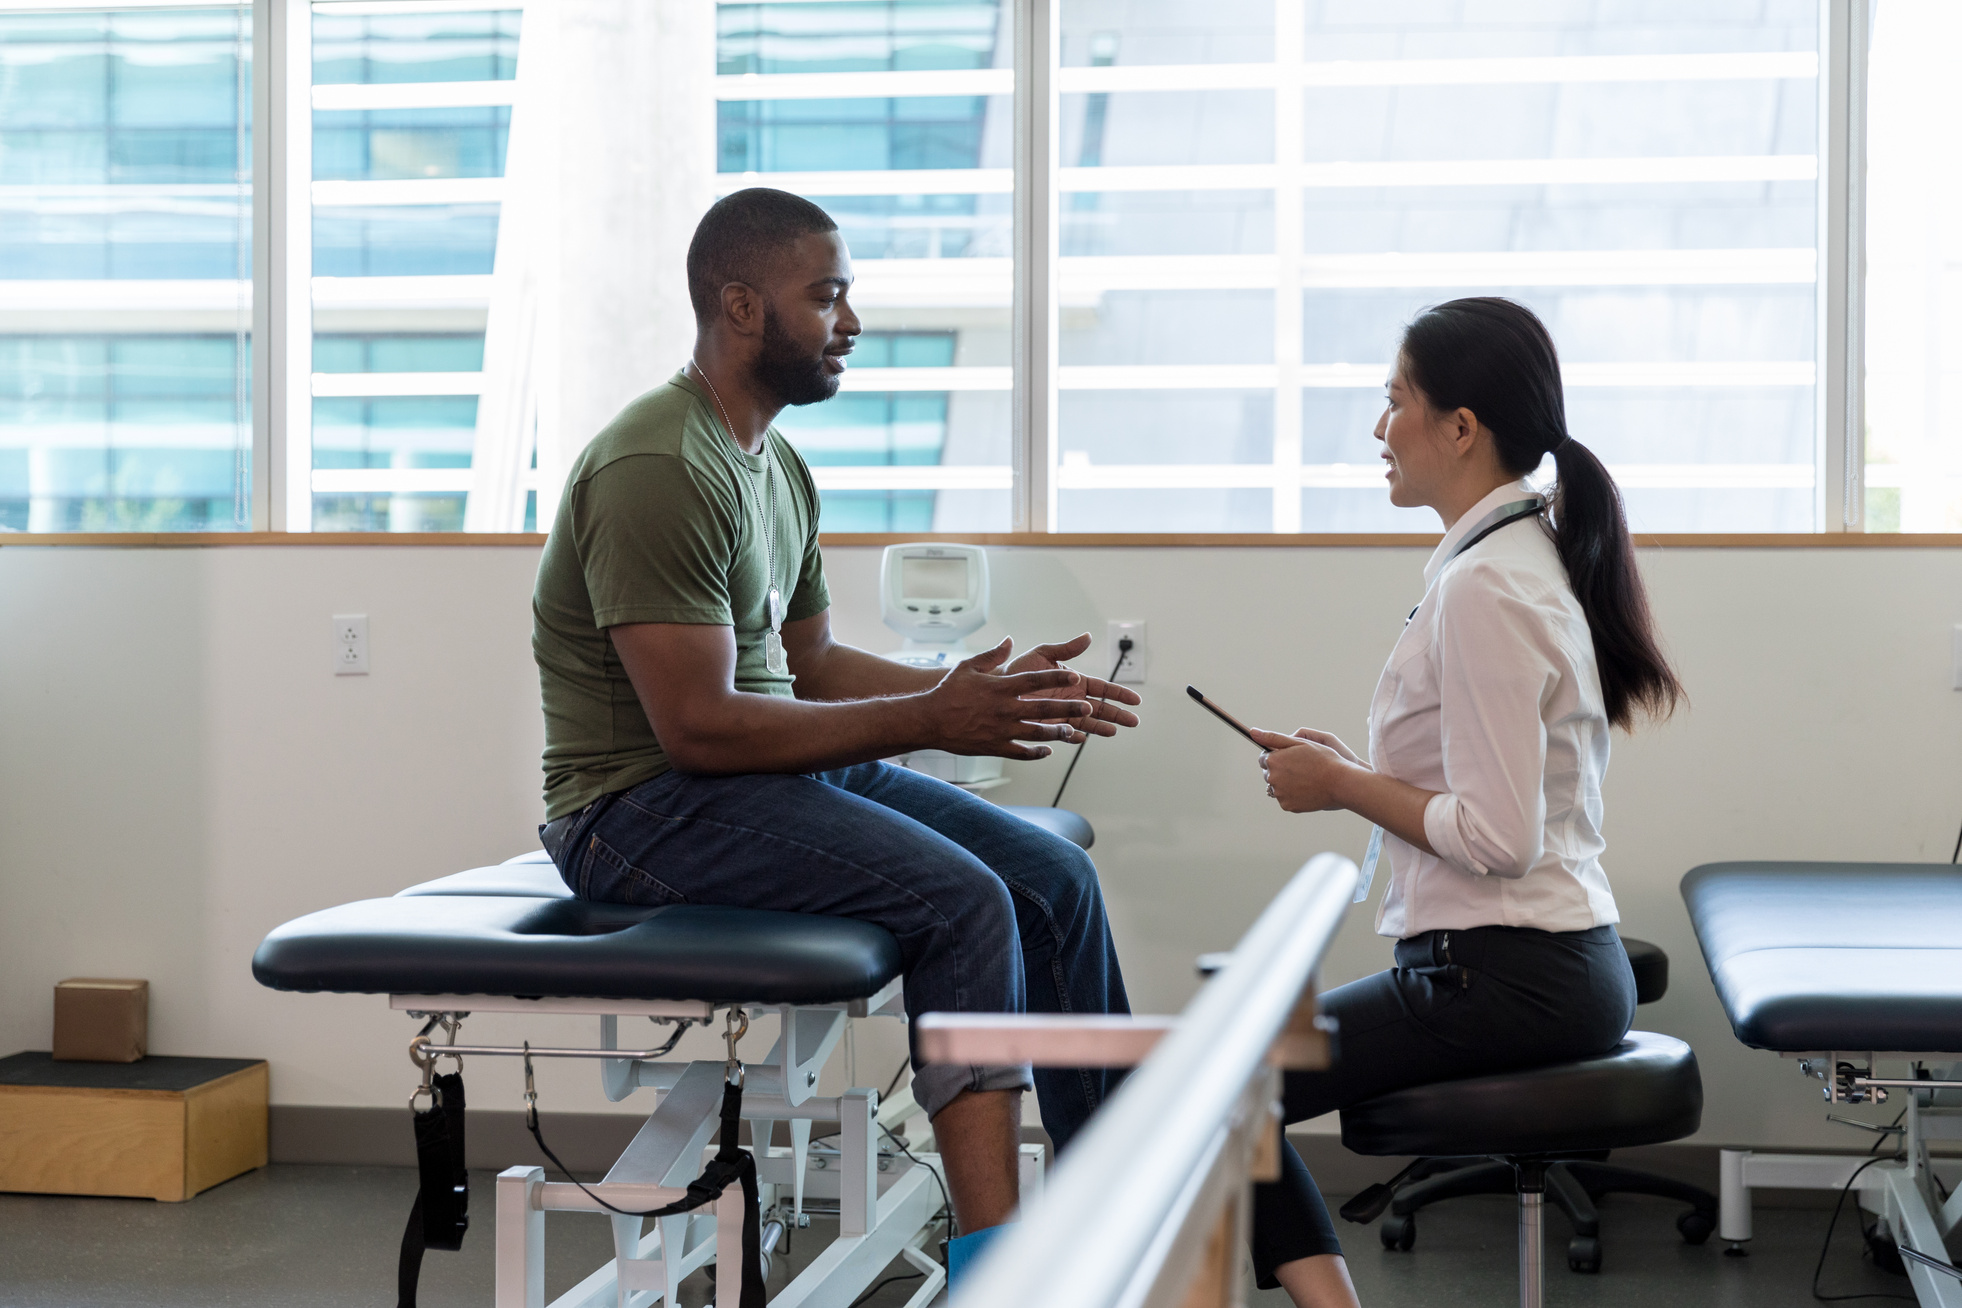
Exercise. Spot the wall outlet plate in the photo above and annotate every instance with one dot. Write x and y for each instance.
(350, 644)
(1132, 670)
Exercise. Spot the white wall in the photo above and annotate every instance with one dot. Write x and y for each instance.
(180, 772)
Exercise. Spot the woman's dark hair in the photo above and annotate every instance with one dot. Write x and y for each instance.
(1494, 357)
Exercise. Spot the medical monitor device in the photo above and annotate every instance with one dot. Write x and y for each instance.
(933, 595)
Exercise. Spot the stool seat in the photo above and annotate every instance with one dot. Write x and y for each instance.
(1645, 1091)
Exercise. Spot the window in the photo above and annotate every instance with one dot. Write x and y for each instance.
(898, 120)
(1139, 270)
(1257, 194)
(411, 119)
(125, 257)
(1914, 294)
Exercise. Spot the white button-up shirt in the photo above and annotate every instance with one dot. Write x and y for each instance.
(1492, 697)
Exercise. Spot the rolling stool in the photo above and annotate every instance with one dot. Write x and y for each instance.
(1646, 1091)
(1573, 1184)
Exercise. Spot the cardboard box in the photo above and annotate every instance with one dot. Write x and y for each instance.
(163, 1128)
(98, 1020)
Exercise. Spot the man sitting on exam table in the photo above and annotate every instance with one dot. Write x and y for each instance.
(1488, 740)
(708, 742)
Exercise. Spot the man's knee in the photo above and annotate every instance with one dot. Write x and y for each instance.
(1064, 881)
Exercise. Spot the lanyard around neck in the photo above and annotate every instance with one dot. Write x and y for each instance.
(1503, 516)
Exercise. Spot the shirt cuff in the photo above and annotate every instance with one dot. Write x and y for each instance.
(1441, 829)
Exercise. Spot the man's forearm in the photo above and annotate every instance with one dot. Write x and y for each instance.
(744, 732)
(845, 672)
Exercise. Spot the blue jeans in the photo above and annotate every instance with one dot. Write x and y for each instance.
(992, 914)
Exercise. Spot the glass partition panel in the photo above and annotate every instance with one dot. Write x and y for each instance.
(125, 270)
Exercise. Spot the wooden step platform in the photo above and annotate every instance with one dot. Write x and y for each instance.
(160, 1128)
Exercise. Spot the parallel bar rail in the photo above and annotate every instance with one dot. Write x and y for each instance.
(1117, 1221)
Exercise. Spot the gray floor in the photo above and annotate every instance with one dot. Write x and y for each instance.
(310, 1237)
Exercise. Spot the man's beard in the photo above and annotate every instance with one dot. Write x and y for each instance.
(787, 372)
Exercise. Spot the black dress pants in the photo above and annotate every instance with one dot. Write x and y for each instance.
(1457, 1004)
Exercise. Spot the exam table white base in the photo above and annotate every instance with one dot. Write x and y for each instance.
(886, 1201)
(1901, 1192)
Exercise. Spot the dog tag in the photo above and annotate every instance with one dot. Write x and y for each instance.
(776, 609)
(773, 658)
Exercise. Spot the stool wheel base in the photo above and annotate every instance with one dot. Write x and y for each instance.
(1737, 1250)
(1398, 1232)
(1584, 1254)
(1695, 1226)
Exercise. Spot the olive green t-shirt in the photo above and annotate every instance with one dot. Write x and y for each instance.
(661, 521)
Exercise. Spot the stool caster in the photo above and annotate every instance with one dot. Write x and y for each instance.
(1695, 1226)
(1398, 1232)
(1584, 1254)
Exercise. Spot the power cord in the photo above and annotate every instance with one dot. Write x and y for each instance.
(1124, 646)
(1825, 1245)
(890, 1280)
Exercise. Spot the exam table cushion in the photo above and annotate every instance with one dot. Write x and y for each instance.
(533, 873)
(1057, 822)
(525, 878)
(1646, 1091)
(1814, 957)
(509, 945)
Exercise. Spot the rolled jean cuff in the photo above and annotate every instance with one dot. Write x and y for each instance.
(936, 1085)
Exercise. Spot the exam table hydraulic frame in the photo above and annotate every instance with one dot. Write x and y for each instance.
(886, 1201)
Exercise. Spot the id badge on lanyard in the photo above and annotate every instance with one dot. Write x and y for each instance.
(1503, 516)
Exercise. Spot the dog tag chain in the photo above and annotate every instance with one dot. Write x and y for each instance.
(773, 655)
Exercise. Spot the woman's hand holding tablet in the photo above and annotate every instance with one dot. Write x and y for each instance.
(1305, 771)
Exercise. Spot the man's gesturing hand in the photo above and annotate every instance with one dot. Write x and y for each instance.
(1105, 718)
(980, 709)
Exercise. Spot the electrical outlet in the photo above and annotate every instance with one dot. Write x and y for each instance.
(350, 644)
(1132, 670)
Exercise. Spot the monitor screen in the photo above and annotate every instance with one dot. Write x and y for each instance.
(933, 578)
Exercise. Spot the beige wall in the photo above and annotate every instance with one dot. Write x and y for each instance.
(180, 772)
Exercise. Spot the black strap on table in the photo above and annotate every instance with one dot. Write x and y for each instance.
(442, 1209)
(731, 1164)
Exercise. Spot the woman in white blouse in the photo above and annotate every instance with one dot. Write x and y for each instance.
(1488, 740)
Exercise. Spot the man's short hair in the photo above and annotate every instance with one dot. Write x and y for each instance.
(740, 239)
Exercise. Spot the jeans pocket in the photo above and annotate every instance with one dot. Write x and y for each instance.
(606, 875)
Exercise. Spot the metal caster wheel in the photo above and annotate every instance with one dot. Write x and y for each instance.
(1398, 1232)
(1584, 1254)
(1696, 1227)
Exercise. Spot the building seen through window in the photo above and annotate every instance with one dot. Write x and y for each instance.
(125, 263)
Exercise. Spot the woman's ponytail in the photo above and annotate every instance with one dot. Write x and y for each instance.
(1495, 357)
